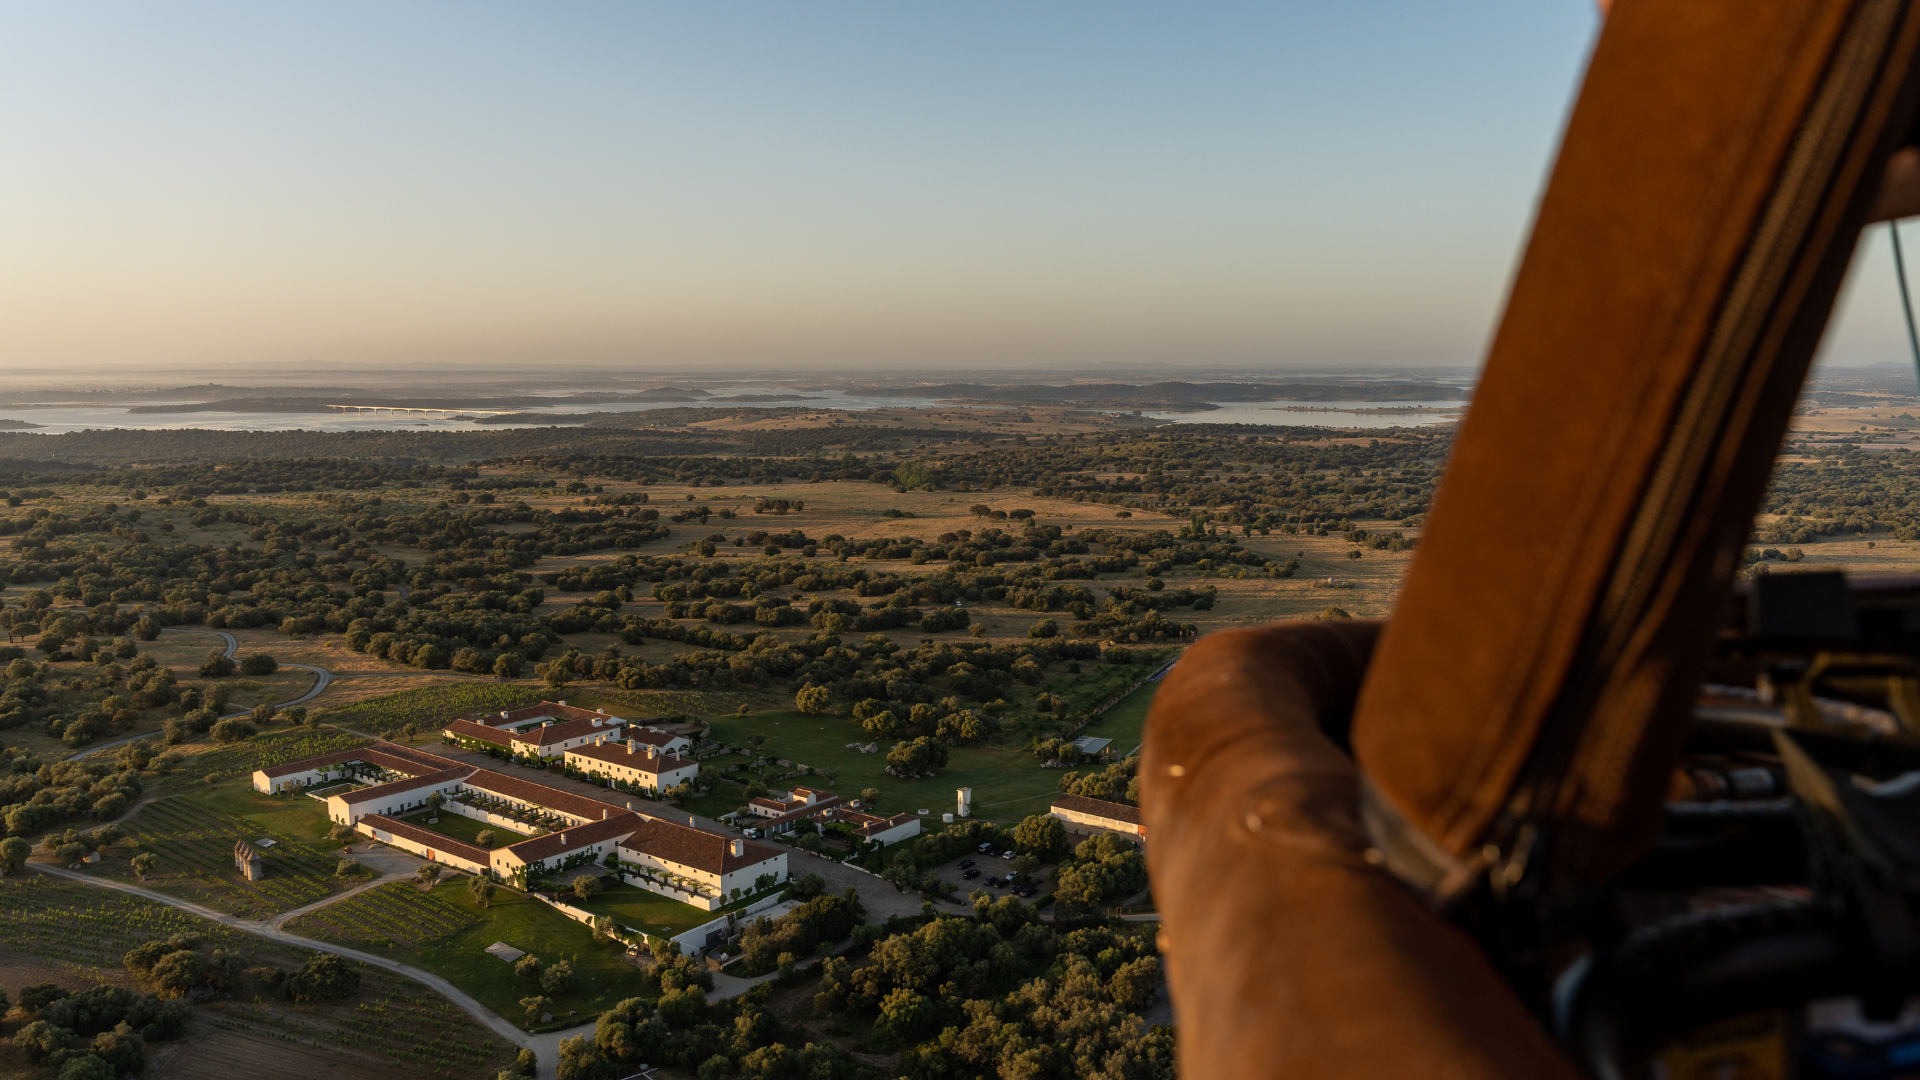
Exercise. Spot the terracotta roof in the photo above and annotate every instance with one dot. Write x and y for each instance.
(591, 724)
(618, 754)
(384, 754)
(1112, 811)
(434, 840)
(471, 730)
(800, 810)
(651, 737)
(393, 787)
(695, 848)
(528, 791)
(575, 837)
(536, 711)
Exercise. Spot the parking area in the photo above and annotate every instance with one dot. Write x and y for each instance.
(985, 865)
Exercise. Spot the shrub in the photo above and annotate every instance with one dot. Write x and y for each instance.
(559, 978)
(216, 666)
(259, 664)
(324, 977)
(233, 731)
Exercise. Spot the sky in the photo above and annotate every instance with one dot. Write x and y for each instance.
(921, 188)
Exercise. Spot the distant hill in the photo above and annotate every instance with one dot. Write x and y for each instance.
(1153, 395)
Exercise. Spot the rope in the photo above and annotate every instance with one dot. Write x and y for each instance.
(1906, 298)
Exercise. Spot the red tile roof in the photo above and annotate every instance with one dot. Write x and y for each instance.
(393, 787)
(469, 729)
(528, 791)
(695, 848)
(574, 837)
(1112, 811)
(434, 840)
(387, 755)
(591, 724)
(619, 754)
(536, 711)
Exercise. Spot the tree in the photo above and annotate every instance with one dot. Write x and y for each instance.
(1042, 835)
(144, 863)
(869, 798)
(348, 868)
(428, 873)
(536, 1007)
(832, 773)
(584, 886)
(507, 666)
(341, 832)
(528, 967)
(485, 838)
(179, 972)
(434, 802)
(259, 664)
(482, 890)
(295, 715)
(324, 977)
(813, 700)
(13, 854)
(263, 714)
(216, 666)
(232, 731)
(558, 978)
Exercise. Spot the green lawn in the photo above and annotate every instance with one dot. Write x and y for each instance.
(1008, 784)
(465, 829)
(283, 815)
(1126, 722)
(386, 921)
(635, 907)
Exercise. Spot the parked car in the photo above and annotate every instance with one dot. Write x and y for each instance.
(964, 863)
(751, 834)
(1025, 890)
(1011, 874)
(971, 874)
(986, 849)
(1007, 854)
(995, 883)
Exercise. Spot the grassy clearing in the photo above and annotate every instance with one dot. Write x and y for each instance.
(291, 815)
(445, 932)
(638, 909)
(194, 844)
(1008, 783)
(1126, 722)
(464, 829)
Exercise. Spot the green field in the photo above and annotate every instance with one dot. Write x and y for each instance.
(445, 932)
(650, 912)
(429, 707)
(1126, 722)
(241, 759)
(292, 815)
(194, 843)
(1008, 783)
(464, 829)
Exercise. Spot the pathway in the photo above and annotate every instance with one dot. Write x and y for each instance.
(546, 1047)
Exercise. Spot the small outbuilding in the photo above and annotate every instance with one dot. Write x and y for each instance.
(247, 860)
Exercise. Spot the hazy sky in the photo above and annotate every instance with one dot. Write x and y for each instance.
(823, 183)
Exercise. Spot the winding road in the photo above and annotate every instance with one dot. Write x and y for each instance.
(545, 1047)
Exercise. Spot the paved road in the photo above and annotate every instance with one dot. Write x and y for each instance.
(546, 1047)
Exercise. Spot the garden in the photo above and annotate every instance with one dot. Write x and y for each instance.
(639, 909)
(464, 829)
